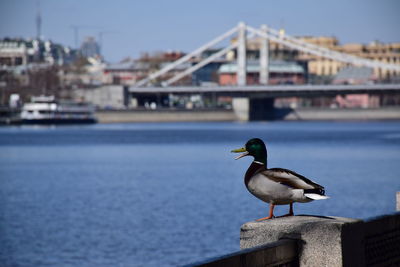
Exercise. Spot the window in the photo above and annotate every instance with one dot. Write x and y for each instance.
(18, 61)
(5, 61)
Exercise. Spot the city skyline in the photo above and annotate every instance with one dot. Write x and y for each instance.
(128, 28)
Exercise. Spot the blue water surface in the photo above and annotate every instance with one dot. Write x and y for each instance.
(167, 194)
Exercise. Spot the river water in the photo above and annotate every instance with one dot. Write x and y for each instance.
(167, 194)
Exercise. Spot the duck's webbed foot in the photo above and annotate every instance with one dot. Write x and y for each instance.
(271, 214)
(265, 218)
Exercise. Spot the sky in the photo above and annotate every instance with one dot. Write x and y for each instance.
(131, 27)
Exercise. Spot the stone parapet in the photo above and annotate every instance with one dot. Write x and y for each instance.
(323, 241)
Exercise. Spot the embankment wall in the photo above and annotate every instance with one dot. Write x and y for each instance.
(121, 116)
(164, 116)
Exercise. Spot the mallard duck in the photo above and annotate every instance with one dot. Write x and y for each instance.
(276, 186)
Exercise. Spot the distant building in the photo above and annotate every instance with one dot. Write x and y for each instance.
(90, 48)
(17, 52)
(125, 73)
(32, 64)
(208, 73)
(354, 75)
(102, 97)
(130, 71)
(387, 53)
(319, 66)
(276, 50)
(13, 53)
(280, 72)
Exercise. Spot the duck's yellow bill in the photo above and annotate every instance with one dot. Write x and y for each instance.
(240, 150)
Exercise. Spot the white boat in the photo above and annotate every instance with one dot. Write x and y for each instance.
(46, 110)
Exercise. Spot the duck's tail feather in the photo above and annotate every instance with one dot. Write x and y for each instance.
(315, 194)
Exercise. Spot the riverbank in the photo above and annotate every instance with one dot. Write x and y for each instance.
(392, 113)
(221, 115)
(121, 116)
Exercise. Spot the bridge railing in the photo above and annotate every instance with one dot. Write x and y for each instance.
(280, 253)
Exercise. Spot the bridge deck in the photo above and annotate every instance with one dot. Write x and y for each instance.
(274, 90)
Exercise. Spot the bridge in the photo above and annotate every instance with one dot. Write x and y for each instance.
(257, 102)
(262, 95)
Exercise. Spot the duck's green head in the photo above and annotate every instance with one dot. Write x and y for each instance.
(254, 147)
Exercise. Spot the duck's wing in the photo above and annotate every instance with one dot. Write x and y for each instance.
(290, 178)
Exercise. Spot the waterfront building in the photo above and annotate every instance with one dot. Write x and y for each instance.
(124, 73)
(387, 53)
(323, 67)
(281, 72)
(102, 97)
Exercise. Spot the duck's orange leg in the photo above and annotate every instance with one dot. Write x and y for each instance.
(271, 213)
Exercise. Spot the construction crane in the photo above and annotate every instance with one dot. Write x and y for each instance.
(100, 37)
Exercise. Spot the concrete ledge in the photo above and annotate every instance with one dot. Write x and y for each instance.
(279, 253)
(316, 241)
(323, 242)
